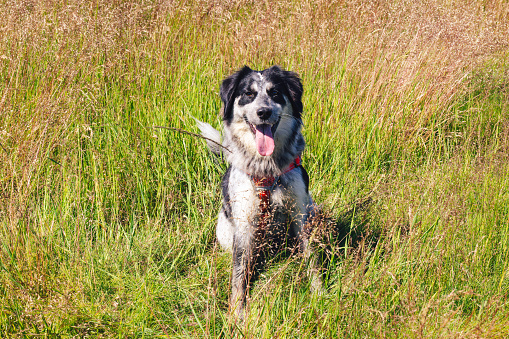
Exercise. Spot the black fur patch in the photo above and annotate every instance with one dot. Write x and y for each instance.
(291, 149)
(228, 92)
(227, 208)
(245, 90)
(305, 177)
(289, 84)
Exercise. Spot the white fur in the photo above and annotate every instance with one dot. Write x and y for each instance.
(210, 133)
(239, 218)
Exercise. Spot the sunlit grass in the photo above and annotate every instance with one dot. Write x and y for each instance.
(107, 224)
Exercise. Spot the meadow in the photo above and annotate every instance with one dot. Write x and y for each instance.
(107, 223)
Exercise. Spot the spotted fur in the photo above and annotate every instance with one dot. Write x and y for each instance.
(271, 98)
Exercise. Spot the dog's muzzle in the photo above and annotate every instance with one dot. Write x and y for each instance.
(264, 136)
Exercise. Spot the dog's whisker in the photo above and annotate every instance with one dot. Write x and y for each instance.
(262, 190)
(291, 116)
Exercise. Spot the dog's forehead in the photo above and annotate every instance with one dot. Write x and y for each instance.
(256, 81)
(251, 81)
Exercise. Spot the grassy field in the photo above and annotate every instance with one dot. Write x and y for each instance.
(107, 224)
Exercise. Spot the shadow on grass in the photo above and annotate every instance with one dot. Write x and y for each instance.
(332, 239)
(345, 234)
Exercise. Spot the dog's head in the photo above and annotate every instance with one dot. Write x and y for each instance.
(259, 103)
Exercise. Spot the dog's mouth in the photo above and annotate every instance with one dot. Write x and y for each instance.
(264, 136)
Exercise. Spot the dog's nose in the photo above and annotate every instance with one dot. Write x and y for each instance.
(264, 112)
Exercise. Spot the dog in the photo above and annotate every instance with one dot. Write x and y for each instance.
(266, 200)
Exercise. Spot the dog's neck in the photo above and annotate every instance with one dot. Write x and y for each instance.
(266, 183)
(264, 187)
(249, 161)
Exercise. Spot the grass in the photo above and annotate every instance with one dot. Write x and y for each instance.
(107, 223)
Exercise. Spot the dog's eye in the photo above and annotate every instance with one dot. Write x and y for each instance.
(249, 94)
(274, 93)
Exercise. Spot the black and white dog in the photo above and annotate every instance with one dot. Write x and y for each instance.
(266, 201)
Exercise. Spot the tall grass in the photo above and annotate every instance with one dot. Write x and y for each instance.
(107, 223)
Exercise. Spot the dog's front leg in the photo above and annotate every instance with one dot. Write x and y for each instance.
(313, 271)
(243, 267)
(306, 232)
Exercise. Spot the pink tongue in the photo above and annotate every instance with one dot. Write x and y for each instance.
(264, 140)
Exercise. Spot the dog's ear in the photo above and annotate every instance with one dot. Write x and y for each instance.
(227, 92)
(295, 90)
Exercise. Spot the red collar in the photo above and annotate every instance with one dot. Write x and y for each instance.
(267, 183)
(264, 187)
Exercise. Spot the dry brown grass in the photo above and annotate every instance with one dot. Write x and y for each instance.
(106, 225)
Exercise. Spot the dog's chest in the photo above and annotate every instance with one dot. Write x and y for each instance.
(245, 197)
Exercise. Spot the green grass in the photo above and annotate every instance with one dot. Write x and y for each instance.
(107, 224)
